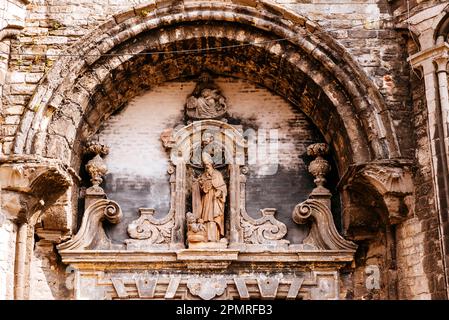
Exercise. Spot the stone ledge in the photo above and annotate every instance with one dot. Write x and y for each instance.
(159, 259)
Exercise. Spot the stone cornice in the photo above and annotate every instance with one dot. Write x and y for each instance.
(431, 54)
(165, 260)
(35, 161)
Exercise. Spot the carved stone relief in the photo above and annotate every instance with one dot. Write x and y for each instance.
(390, 182)
(212, 272)
(316, 285)
(207, 246)
(206, 288)
(323, 234)
(206, 101)
(150, 231)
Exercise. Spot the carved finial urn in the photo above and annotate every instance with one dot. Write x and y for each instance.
(96, 167)
(319, 168)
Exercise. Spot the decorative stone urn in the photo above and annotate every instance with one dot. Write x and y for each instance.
(319, 167)
(96, 167)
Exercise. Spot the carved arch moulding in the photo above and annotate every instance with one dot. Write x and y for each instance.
(309, 52)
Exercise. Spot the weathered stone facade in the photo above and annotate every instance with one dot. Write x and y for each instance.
(86, 178)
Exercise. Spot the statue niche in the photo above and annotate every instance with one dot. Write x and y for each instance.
(200, 247)
(207, 169)
(209, 194)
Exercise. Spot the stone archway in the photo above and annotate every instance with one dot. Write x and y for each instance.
(308, 68)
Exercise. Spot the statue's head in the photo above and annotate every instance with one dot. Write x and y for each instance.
(208, 93)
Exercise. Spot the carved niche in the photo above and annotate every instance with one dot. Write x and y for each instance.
(208, 180)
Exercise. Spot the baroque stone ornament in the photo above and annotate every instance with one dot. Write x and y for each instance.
(206, 101)
(148, 231)
(265, 230)
(180, 256)
(96, 167)
(323, 234)
(319, 167)
(155, 231)
(91, 230)
(206, 288)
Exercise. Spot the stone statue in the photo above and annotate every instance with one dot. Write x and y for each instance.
(206, 102)
(209, 197)
(196, 231)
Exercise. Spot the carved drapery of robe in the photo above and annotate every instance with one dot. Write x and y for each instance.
(208, 105)
(209, 198)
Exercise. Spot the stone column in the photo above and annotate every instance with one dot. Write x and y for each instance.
(434, 66)
(441, 70)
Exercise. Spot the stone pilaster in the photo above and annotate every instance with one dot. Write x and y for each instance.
(433, 62)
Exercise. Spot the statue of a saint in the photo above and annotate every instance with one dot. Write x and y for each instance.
(209, 197)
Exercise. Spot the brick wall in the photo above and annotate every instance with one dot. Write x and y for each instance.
(7, 249)
(418, 247)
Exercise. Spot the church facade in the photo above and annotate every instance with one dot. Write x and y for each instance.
(242, 149)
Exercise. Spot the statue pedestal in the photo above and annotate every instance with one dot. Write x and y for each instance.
(208, 245)
(207, 258)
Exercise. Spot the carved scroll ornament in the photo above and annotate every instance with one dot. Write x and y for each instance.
(323, 234)
(152, 230)
(92, 224)
(317, 209)
(264, 230)
(155, 231)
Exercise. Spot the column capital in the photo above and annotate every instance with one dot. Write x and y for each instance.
(437, 54)
(441, 61)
